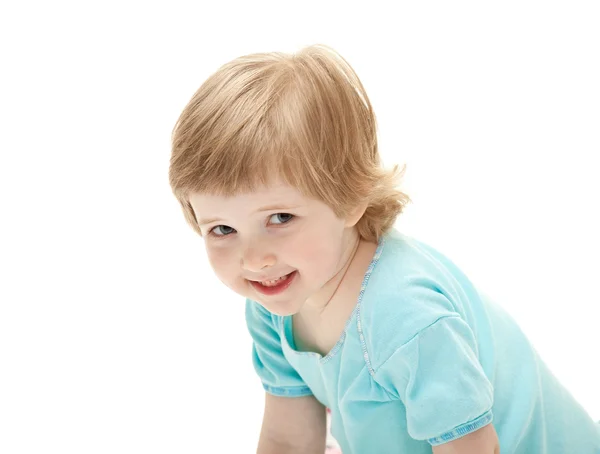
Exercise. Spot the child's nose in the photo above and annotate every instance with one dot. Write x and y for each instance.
(256, 259)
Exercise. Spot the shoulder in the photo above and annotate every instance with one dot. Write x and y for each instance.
(410, 288)
(254, 309)
(259, 318)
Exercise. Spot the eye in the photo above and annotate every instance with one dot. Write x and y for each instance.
(281, 218)
(222, 230)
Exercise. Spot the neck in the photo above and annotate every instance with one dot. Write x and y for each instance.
(335, 282)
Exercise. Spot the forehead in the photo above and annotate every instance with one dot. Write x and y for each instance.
(276, 194)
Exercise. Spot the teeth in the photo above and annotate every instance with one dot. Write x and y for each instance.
(273, 282)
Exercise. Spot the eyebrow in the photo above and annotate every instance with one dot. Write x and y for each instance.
(282, 208)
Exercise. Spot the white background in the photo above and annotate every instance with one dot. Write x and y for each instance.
(114, 335)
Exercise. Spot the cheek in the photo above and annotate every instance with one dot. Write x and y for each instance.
(317, 253)
(220, 260)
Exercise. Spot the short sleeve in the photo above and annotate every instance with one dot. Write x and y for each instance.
(438, 377)
(277, 375)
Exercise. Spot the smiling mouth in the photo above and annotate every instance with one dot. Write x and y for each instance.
(274, 282)
(273, 286)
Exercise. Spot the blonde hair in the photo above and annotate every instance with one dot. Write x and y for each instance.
(303, 118)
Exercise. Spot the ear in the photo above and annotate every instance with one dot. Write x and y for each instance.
(354, 216)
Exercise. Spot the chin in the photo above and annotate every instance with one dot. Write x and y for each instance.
(282, 309)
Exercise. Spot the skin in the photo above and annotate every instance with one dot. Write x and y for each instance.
(246, 242)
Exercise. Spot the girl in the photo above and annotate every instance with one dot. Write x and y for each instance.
(275, 164)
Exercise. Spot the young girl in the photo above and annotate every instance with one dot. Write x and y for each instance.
(275, 164)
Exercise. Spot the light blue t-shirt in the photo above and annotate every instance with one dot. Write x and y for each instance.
(425, 358)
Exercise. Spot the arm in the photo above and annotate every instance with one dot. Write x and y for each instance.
(292, 425)
(482, 441)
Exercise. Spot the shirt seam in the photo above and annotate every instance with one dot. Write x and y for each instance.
(361, 336)
(464, 429)
(288, 391)
(410, 340)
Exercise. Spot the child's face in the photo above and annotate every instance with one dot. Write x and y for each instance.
(252, 238)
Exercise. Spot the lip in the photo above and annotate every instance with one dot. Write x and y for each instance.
(277, 288)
